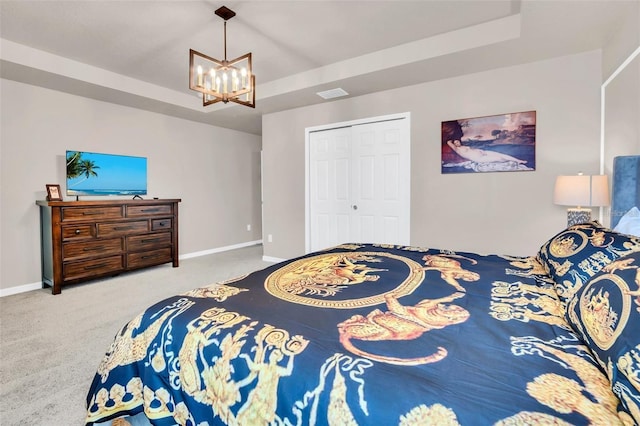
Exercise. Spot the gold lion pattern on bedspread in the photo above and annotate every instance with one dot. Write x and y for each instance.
(402, 323)
(365, 334)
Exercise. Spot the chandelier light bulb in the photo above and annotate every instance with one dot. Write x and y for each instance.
(234, 80)
(200, 77)
(207, 86)
(243, 72)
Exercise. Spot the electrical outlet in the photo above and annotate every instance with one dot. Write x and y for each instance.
(249, 227)
(270, 238)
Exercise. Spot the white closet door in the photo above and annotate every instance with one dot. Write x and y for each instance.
(359, 181)
(330, 186)
(380, 183)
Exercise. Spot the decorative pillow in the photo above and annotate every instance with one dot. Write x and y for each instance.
(576, 254)
(629, 223)
(605, 311)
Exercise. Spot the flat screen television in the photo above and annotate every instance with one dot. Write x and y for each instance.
(91, 173)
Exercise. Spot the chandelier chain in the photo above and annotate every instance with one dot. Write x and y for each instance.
(225, 41)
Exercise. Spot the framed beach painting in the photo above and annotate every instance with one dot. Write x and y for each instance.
(494, 143)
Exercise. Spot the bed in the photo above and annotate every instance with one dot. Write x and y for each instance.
(369, 334)
(625, 198)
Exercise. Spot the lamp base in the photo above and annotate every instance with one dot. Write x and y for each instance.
(577, 216)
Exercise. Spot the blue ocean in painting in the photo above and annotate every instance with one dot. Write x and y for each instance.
(525, 152)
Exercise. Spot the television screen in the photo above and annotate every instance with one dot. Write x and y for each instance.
(90, 173)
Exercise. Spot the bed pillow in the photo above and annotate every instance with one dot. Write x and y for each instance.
(605, 311)
(629, 223)
(579, 252)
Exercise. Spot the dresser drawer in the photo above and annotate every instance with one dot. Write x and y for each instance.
(91, 213)
(159, 224)
(77, 232)
(152, 257)
(154, 210)
(122, 228)
(91, 248)
(88, 268)
(149, 241)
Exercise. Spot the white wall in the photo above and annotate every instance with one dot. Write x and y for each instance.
(624, 41)
(622, 114)
(488, 213)
(621, 118)
(215, 171)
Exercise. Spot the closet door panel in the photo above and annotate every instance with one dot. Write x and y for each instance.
(330, 187)
(381, 180)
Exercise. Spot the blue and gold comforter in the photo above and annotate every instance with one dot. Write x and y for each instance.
(362, 334)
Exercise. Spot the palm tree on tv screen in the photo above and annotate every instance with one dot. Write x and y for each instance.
(77, 167)
(73, 157)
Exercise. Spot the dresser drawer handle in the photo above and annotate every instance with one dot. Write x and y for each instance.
(123, 228)
(152, 210)
(154, 240)
(89, 213)
(153, 256)
(78, 232)
(162, 224)
(98, 248)
(98, 266)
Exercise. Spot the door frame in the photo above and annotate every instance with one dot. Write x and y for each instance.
(307, 161)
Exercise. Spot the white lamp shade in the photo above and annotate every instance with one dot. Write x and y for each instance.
(581, 190)
(599, 190)
(571, 191)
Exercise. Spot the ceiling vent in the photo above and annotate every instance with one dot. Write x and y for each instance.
(332, 93)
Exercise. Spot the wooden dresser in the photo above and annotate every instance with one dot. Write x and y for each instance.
(83, 240)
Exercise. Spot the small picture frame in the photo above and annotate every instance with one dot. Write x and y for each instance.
(53, 192)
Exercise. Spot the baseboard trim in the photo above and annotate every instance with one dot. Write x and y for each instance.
(20, 289)
(220, 249)
(272, 259)
(38, 285)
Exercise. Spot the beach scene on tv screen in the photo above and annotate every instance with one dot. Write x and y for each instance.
(105, 174)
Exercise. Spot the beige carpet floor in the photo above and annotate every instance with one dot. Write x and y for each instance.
(50, 346)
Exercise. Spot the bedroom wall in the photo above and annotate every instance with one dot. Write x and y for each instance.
(624, 41)
(622, 114)
(488, 213)
(622, 93)
(215, 171)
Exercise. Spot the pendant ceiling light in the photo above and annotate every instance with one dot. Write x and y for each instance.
(222, 81)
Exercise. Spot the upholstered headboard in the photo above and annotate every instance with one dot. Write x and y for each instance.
(626, 186)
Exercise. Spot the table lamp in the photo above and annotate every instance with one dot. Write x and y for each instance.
(582, 191)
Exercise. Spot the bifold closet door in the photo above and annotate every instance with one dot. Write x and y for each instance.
(330, 187)
(359, 179)
(380, 197)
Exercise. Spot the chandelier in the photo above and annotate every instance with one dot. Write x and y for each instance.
(222, 81)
